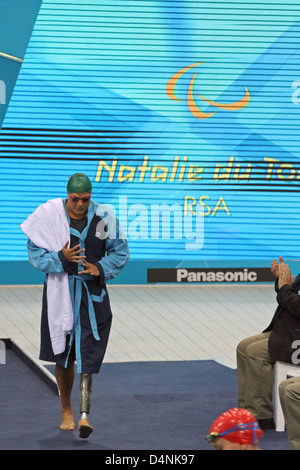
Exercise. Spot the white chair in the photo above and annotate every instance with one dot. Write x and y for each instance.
(282, 370)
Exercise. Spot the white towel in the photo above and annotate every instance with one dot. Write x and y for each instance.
(47, 227)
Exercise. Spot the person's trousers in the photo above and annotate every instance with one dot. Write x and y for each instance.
(255, 376)
(289, 392)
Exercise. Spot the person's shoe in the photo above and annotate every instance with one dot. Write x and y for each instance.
(266, 423)
(84, 428)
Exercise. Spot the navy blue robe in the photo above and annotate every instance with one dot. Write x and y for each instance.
(106, 247)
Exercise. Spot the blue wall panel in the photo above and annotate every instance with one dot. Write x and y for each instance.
(189, 104)
(17, 22)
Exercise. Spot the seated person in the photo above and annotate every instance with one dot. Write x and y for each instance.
(256, 355)
(289, 393)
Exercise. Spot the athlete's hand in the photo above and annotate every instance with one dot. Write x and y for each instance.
(73, 255)
(90, 269)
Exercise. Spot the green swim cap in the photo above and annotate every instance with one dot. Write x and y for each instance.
(79, 183)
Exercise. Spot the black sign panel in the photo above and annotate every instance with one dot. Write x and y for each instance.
(209, 275)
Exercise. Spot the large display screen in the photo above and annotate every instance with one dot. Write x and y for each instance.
(184, 114)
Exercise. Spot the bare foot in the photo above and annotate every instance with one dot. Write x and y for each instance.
(84, 428)
(67, 422)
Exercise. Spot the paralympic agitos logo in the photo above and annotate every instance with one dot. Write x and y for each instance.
(191, 102)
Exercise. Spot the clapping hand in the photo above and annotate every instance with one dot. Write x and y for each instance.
(275, 266)
(282, 271)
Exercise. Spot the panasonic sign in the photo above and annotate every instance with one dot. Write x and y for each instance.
(219, 276)
(209, 275)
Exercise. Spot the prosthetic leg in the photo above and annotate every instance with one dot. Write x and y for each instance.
(85, 394)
